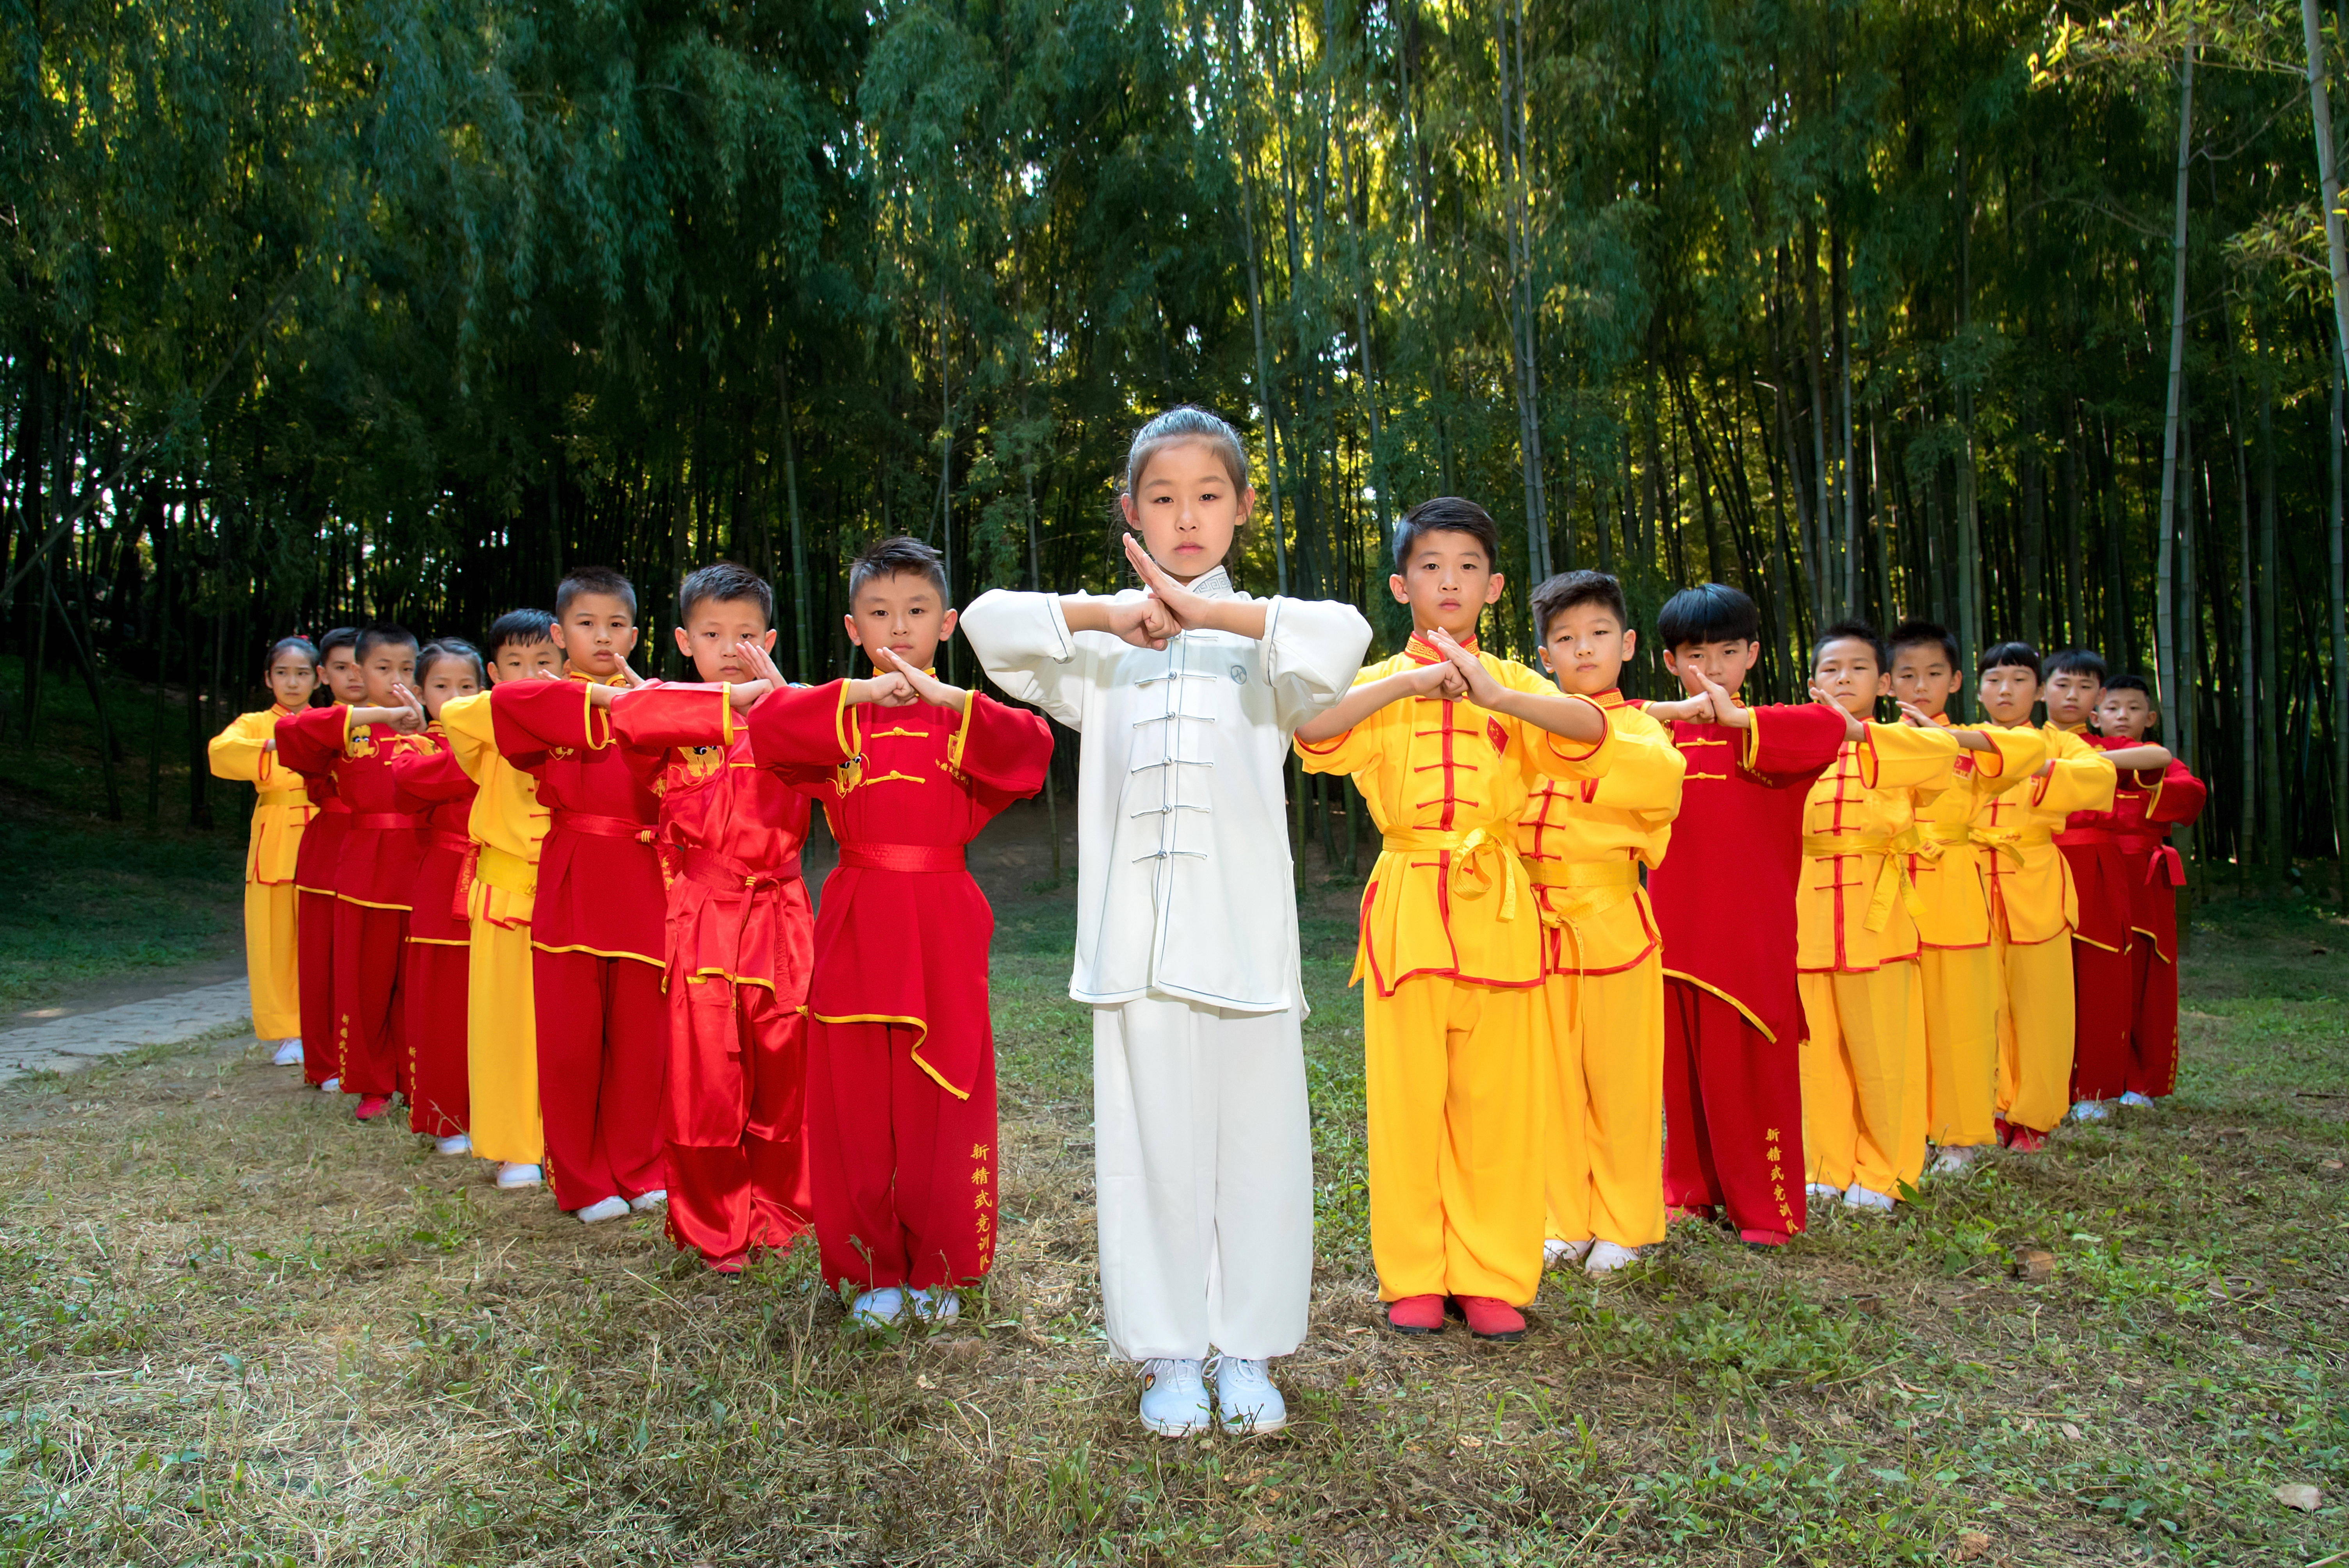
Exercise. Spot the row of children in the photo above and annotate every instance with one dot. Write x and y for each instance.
(1564, 1034)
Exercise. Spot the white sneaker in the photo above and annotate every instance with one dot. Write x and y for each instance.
(645, 1202)
(2131, 1098)
(1866, 1198)
(1606, 1257)
(613, 1208)
(1821, 1192)
(512, 1175)
(1953, 1160)
(939, 1303)
(877, 1308)
(1245, 1400)
(289, 1053)
(458, 1144)
(2089, 1111)
(1174, 1399)
(1557, 1254)
(332, 1086)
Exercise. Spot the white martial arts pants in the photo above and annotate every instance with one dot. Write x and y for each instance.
(1203, 1171)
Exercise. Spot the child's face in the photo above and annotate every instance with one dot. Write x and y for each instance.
(902, 612)
(2125, 715)
(386, 664)
(1586, 648)
(292, 678)
(1726, 664)
(710, 631)
(1924, 677)
(344, 681)
(597, 634)
(1846, 669)
(525, 661)
(1447, 580)
(1186, 508)
(2071, 696)
(2006, 693)
(446, 681)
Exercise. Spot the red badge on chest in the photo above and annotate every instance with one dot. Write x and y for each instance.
(1497, 736)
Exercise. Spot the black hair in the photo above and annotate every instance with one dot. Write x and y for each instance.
(300, 643)
(520, 626)
(1187, 422)
(2130, 683)
(432, 653)
(2076, 661)
(895, 556)
(1447, 514)
(1563, 592)
(601, 580)
(340, 637)
(1923, 634)
(1708, 613)
(376, 634)
(727, 583)
(1850, 631)
(2000, 655)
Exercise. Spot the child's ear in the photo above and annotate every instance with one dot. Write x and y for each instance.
(946, 623)
(1883, 685)
(1493, 586)
(1396, 587)
(768, 642)
(1957, 682)
(854, 640)
(683, 642)
(1630, 644)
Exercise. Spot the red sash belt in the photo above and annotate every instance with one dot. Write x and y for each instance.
(600, 827)
(723, 873)
(2084, 838)
(460, 843)
(2163, 863)
(932, 858)
(383, 821)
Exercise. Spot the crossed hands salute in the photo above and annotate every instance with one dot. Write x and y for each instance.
(895, 683)
(1710, 704)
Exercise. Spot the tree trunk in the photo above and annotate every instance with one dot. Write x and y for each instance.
(2275, 847)
(2337, 258)
(2166, 672)
(803, 627)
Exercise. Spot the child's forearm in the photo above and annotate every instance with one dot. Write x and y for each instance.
(1240, 617)
(1085, 614)
(1972, 739)
(1560, 713)
(360, 717)
(1353, 708)
(2132, 758)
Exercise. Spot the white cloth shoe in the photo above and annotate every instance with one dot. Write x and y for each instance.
(512, 1175)
(2089, 1111)
(645, 1202)
(877, 1308)
(1557, 1254)
(289, 1053)
(332, 1086)
(612, 1208)
(1866, 1198)
(1175, 1400)
(1820, 1192)
(1606, 1257)
(1952, 1161)
(938, 1304)
(458, 1144)
(2131, 1098)
(1246, 1399)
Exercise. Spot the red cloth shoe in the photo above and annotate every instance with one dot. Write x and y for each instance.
(1416, 1314)
(2023, 1140)
(1764, 1238)
(372, 1106)
(1998, 1124)
(1490, 1317)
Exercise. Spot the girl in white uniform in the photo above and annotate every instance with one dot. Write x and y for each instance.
(1187, 693)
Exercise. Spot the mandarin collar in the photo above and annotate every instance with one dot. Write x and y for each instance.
(1214, 583)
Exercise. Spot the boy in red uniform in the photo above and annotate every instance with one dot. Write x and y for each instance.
(375, 878)
(432, 981)
(2073, 681)
(1724, 902)
(597, 938)
(2145, 806)
(741, 937)
(901, 1058)
(315, 866)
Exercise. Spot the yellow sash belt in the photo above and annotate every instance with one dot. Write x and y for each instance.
(1583, 874)
(1892, 877)
(510, 873)
(2011, 841)
(1481, 859)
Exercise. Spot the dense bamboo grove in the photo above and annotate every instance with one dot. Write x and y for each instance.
(316, 311)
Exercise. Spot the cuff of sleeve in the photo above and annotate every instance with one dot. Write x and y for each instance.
(726, 713)
(1990, 763)
(1752, 737)
(1064, 641)
(1572, 751)
(1863, 752)
(598, 735)
(345, 745)
(844, 727)
(1324, 748)
(962, 731)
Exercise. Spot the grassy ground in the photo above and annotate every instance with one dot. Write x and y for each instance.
(236, 1327)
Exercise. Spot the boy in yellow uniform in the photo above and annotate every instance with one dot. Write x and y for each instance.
(1451, 935)
(2033, 905)
(1856, 934)
(1601, 1051)
(247, 749)
(1957, 973)
(500, 886)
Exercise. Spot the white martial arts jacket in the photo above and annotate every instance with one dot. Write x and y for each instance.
(1184, 882)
